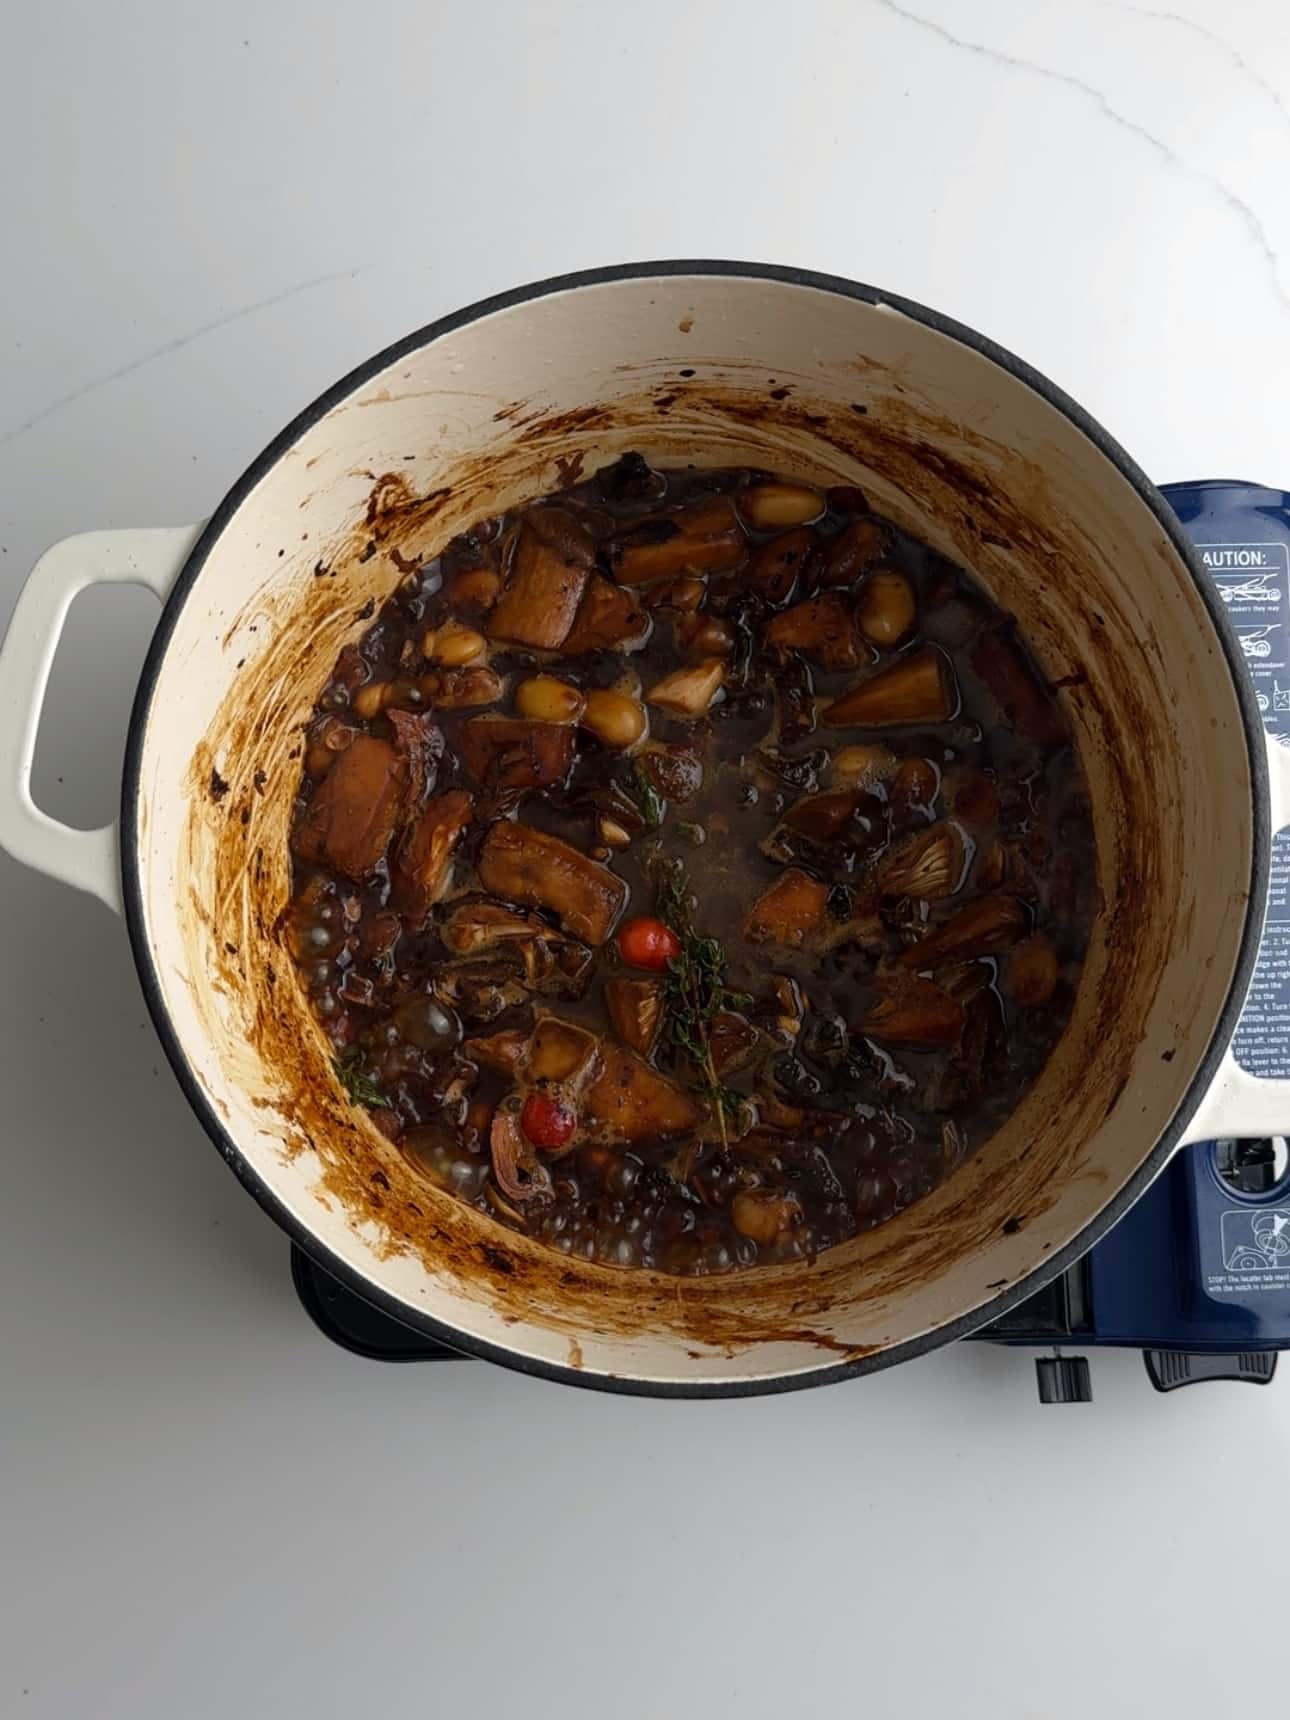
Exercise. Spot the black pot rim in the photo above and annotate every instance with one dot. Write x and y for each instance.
(964, 1324)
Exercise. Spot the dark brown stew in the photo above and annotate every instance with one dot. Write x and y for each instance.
(690, 868)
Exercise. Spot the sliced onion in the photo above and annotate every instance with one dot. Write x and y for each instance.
(515, 1162)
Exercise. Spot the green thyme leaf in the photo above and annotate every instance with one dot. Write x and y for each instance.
(695, 990)
(357, 1081)
(645, 797)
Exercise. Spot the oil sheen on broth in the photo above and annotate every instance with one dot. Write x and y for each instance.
(690, 868)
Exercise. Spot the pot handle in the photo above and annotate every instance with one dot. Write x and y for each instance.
(1240, 1106)
(87, 859)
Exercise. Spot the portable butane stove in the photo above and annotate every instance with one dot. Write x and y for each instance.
(1197, 1274)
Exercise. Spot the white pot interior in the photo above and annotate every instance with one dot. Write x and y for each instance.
(953, 447)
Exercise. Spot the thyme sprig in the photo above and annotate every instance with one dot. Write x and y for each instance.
(695, 991)
(357, 1081)
(648, 801)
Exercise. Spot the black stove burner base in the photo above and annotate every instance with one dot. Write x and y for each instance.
(1055, 1315)
(354, 1324)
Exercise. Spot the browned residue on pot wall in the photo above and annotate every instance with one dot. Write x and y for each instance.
(235, 844)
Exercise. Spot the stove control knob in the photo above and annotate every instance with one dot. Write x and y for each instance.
(1064, 1379)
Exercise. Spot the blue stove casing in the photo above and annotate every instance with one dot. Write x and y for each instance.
(1197, 1274)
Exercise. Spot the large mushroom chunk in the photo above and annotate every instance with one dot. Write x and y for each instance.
(913, 1011)
(608, 619)
(821, 817)
(462, 689)
(549, 568)
(926, 866)
(984, 927)
(917, 688)
(702, 537)
(823, 629)
(504, 1052)
(504, 753)
(851, 552)
(423, 864)
(351, 818)
(777, 564)
(791, 912)
(687, 693)
(635, 1008)
(523, 865)
(627, 1100)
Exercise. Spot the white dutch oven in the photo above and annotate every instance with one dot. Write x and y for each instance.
(721, 363)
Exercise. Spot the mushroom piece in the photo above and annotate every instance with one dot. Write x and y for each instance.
(523, 865)
(927, 866)
(791, 1004)
(763, 1214)
(822, 629)
(795, 698)
(912, 1011)
(481, 991)
(635, 1008)
(461, 689)
(914, 786)
(702, 537)
(821, 816)
(790, 912)
(505, 1052)
(701, 635)
(919, 688)
(732, 1041)
(688, 692)
(477, 928)
(519, 945)
(550, 564)
(423, 863)
(627, 1100)
(348, 823)
(475, 589)
(675, 772)
(608, 619)
(419, 741)
(851, 552)
(516, 752)
(777, 564)
(984, 927)
(559, 1050)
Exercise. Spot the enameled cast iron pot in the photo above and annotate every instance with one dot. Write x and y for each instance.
(723, 363)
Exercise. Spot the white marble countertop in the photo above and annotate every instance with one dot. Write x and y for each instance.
(209, 213)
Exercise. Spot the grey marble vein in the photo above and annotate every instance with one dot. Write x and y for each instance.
(1233, 54)
(1239, 207)
(180, 341)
